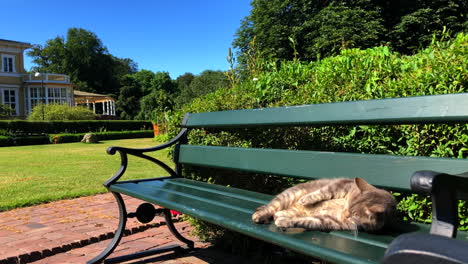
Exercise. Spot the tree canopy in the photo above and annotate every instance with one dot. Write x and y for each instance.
(192, 86)
(82, 56)
(307, 29)
(145, 94)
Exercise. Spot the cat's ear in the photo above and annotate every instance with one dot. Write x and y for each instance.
(363, 185)
(376, 209)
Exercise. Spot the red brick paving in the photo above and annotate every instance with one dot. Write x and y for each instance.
(149, 239)
(74, 231)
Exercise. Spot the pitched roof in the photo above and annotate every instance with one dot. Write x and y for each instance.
(82, 93)
(16, 43)
(86, 97)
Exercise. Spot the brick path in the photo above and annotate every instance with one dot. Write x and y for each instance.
(73, 231)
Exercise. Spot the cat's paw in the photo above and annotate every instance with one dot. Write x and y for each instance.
(306, 200)
(283, 222)
(261, 216)
(281, 214)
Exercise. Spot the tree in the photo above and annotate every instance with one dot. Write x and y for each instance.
(128, 103)
(153, 105)
(145, 94)
(161, 81)
(184, 81)
(83, 56)
(323, 27)
(208, 81)
(338, 27)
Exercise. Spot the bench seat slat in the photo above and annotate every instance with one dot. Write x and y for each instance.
(409, 110)
(387, 171)
(206, 201)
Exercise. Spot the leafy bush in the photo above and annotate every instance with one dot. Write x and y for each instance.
(161, 138)
(6, 111)
(60, 112)
(353, 75)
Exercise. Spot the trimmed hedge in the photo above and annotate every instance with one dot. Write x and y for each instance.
(68, 138)
(79, 126)
(30, 140)
(6, 141)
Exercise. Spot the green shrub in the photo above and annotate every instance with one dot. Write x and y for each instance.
(161, 138)
(6, 111)
(353, 75)
(60, 112)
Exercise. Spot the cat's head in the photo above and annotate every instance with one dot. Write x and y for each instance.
(371, 208)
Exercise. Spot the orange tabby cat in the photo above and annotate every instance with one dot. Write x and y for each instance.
(329, 204)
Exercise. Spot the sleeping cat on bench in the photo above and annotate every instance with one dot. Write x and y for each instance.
(330, 204)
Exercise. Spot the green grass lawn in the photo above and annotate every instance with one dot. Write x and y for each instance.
(35, 174)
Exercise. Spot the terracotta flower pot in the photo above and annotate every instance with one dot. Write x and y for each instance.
(155, 129)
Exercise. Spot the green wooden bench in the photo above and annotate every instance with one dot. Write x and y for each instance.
(232, 208)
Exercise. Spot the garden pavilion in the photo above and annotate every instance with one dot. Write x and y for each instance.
(91, 99)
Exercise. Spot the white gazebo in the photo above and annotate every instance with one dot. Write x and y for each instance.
(91, 99)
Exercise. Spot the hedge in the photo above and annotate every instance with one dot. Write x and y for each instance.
(68, 138)
(20, 127)
(6, 141)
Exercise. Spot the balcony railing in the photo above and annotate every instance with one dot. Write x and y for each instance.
(46, 77)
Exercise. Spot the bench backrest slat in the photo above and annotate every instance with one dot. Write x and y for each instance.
(410, 110)
(392, 172)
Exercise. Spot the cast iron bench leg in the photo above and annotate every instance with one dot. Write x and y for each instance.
(170, 225)
(118, 233)
(121, 230)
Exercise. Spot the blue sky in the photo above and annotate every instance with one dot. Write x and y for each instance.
(176, 36)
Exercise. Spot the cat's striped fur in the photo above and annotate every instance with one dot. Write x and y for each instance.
(329, 204)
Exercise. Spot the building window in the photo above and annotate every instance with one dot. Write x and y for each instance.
(57, 95)
(37, 96)
(8, 63)
(9, 98)
(45, 95)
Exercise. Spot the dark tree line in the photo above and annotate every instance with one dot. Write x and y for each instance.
(146, 95)
(308, 29)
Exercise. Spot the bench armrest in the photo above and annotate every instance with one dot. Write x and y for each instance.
(180, 138)
(426, 248)
(134, 151)
(445, 190)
